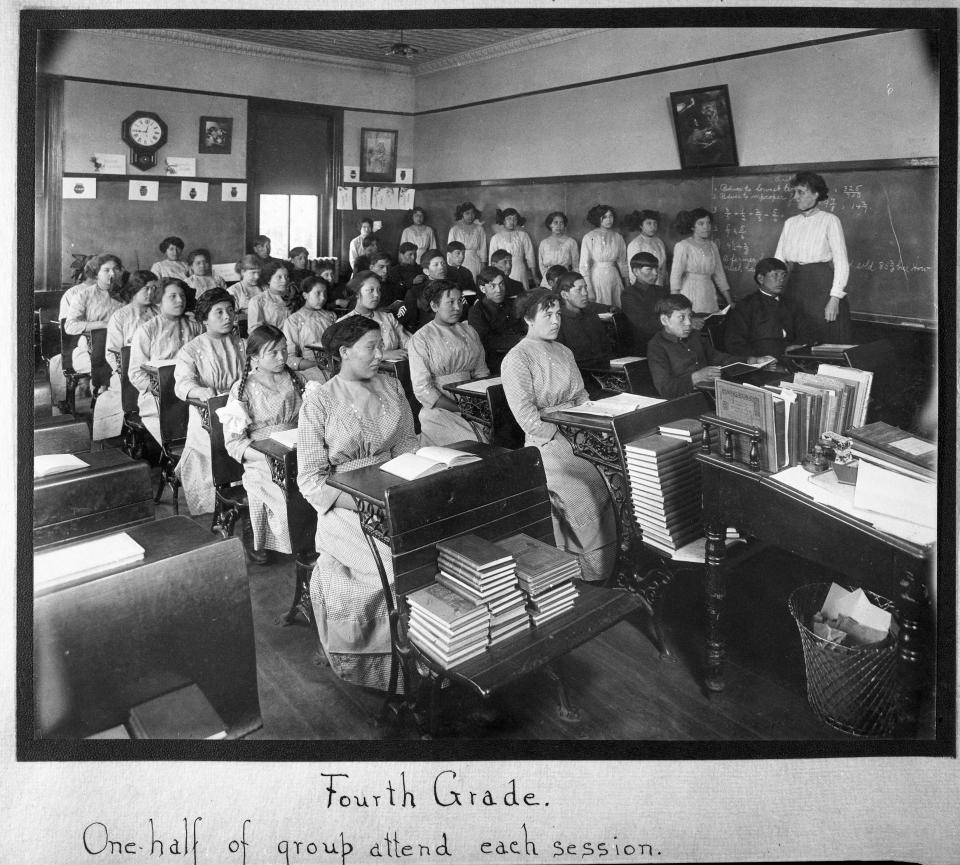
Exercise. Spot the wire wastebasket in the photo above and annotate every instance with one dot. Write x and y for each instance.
(852, 688)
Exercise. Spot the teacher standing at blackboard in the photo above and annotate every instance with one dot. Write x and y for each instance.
(812, 244)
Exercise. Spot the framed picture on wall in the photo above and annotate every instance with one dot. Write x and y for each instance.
(378, 155)
(216, 134)
(703, 122)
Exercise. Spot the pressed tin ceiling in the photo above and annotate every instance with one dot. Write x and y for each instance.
(440, 48)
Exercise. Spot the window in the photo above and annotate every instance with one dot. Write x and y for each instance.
(289, 221)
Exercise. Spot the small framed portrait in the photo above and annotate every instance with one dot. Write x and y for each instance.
(216, 134)
(378, 155)
(703, 122)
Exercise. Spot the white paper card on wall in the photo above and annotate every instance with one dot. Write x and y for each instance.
(193, 191)
(363, 198)
(144, 190)
(405, 196)
(109, 163)
(392, 197)
(344, 198)
(233, 192)
(79, 187)
(180, 166)
(351, 173)
(404, 175)
(378, 200)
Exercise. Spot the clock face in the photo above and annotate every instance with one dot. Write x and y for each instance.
(145, 131)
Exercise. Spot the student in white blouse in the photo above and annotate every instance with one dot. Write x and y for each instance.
(813, 246)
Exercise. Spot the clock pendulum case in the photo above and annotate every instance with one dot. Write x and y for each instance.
(145, 133)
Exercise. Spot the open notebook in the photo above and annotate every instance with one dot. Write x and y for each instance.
(427, 461)
(613, 406)
(52, 464)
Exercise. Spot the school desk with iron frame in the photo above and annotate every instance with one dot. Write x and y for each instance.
(739, 495)
(487, 412)
(112, 640)
(503, 495)
(600, 440)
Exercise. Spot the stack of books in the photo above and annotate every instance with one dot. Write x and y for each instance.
(689, 430)
(897, 473)
(485, 573)
(447, 626)
(546, 576)
(665, 486)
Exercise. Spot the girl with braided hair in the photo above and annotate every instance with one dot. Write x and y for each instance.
(266, 399)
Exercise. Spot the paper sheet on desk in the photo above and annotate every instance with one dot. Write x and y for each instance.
(827, 490)
(481, 386)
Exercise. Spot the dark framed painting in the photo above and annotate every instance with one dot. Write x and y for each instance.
(703, 122)
(216, 134)
(378, 155)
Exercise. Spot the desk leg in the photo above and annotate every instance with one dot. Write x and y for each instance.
(913, 609)
(716, 551)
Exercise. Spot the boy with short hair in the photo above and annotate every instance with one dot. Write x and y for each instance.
(499, 331)
(678, 356)
(554, 272)
(638, 303)
(456, 272)
(582, 330)
(768, 321)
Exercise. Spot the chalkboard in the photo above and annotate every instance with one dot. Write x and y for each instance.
(889, 217)
(134, 229)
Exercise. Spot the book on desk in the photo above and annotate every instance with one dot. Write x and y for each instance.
(427, 461)
(51, 464)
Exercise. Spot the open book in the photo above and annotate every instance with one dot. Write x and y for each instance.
(739, 368)
(427, 461)
(70, 564)
(612, 406)
(621, 362)
(52, 464)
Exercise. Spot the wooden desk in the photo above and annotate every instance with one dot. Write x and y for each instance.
(128, 635)
(301, 516)
(488, 413)
(112, 492)
(600, 441)
(737, 496)
(60, 434)
(504, 495)
(632, 377)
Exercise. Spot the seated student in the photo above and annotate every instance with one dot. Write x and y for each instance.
(456, 272)
(639, 300)
(270, 306)
(170, 265)
(200, 279)
(80, 358)
(365, 288)
(260, 247)
(266, 399)
(161, 338)
(206, 366)
(356, 419)
(502, 260)
(355, 250)
(390, 290)
(298, 268)
(648, 221)
(415, 310)
(140, 296)
(498, 330)
(678, 360)
(91, 307)
(768, 321)
(445, 349)
(305, 326)
(540, 374)
(552, 274)
(249, 286)
(406, 271)
(581, 328)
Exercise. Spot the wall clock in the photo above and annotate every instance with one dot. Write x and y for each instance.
(145, 133)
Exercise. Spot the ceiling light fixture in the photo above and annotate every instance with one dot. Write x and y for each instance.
(399, 48)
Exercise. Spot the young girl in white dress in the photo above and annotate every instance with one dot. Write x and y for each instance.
(515, 240)
(267, 399)
(365, 227)
(697, 271)
(469, 231)
(557, 247)
(419, 232)
(270, 306)
(306, 325)
(603, 257)
(171, 265)
(200, 279)
(648, 222)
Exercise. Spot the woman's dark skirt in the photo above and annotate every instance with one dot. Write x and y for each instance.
(810, 286)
